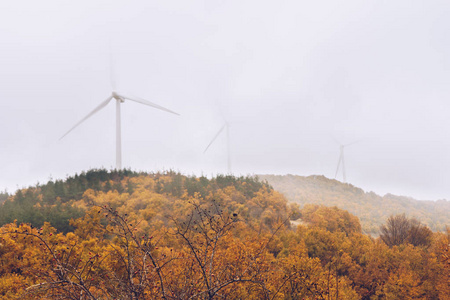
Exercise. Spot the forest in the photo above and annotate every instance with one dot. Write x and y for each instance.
(370, 208)
(133, 235)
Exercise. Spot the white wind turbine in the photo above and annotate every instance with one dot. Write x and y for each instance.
(341, 159)
(120, 98)
(227, 127)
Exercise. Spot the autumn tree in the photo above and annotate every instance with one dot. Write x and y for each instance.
(419, 234)
(399, 229)
(332, 219)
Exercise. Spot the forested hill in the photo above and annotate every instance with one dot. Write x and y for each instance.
(372, 209)
(128, 235)
(144, 194)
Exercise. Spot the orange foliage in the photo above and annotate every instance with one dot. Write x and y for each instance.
(220, 243)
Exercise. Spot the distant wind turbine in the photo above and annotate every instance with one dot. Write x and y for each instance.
(227, 127)
(341, 159)
(119, 99)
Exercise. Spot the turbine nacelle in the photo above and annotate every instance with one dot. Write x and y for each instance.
(117, 97)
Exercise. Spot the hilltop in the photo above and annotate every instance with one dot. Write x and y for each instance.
(370, 208)
(152, 196)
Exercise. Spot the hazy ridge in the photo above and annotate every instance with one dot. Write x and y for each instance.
(372, 209)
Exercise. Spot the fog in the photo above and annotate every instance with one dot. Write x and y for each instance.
(290, 77)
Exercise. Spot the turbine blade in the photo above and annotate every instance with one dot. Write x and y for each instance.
(215, 137)
(145, 102)
(112, 75)
(343, 167)
(339, 163)
(334, 139)
(103, 104)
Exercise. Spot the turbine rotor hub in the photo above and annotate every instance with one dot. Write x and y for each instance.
(117, 97)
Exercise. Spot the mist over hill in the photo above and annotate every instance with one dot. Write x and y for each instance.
(372, 209)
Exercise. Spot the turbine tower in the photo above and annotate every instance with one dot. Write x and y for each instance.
(227, 127)
(341, 159)
(119, 99)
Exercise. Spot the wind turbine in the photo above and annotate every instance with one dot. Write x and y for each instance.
(226, 126)
(341, 159)
(120, 98)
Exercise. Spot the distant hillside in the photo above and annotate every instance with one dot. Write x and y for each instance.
(371, 208)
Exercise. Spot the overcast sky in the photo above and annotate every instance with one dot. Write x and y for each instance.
(290, 77)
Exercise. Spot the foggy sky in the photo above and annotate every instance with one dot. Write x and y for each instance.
(290, 77)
